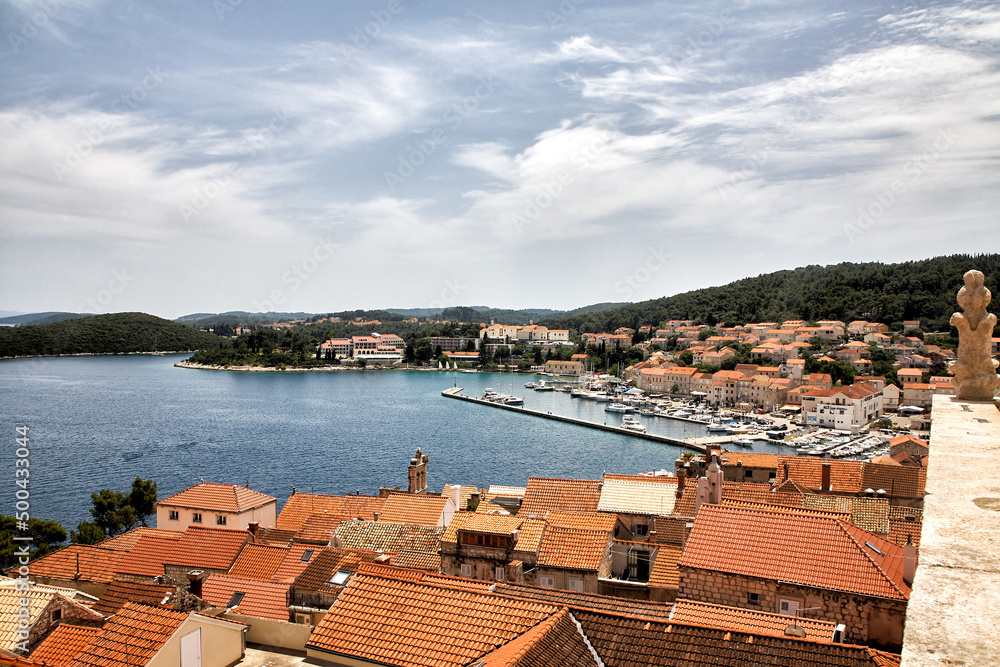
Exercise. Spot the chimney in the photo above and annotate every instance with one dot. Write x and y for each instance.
(681, 481)
(825, 483)
(702, 494)
(195, 578)
(456, 495)
(375, 514)
(685, 532)
(909, 561)
(253, 527)
(714, 476)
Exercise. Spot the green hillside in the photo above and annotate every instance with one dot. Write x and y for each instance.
(888, 293)
(117, 333)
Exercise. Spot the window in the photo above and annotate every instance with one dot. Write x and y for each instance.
(220, 520)
(753, 598)
(467, 570)
(340, 577)
(174, 515)
(788, 607)
(576, 585)
(306, 555)
(56, 615)
(195, 517)
(498, 573)
(547, 582)
(641, 529)
(236, 599)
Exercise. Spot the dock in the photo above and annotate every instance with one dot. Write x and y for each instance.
(455, 392)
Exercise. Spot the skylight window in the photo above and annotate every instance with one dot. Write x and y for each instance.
(874, 548)
(236, 599)
(340, 577)
(306, 555)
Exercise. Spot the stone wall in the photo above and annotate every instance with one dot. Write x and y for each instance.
(874, 621)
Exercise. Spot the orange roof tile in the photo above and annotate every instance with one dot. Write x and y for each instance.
(260, 599)
(556, 640)
(414, 510)
(362, 507)
(591, 601)
(63, 644)
(218, 498)
(133, 636)
(546, 495)
(746, 620)
(664, 573)
(410, 624)
(258, 561)
(208, 548)
(321, 569)
(79, 562)
(574, 549)
(147, 557)
(813, 551)
(127, 540)
(300, 506)
(418, 560)
(297, 558)
(319, 528)
(118, 593)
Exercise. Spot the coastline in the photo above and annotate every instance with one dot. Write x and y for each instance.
(320, 369)
(97, 354)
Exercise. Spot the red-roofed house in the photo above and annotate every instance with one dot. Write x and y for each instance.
(248, 597)
(785, 562)
(141, 635)
(222, 505)
(843, 408)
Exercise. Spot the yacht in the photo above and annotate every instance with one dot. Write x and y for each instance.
(530, 385)
(513, 400)
(544, 387)
(631, 423)
(617, 407)
(743, 441)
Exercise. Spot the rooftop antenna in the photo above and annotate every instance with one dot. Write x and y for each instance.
(796, 630)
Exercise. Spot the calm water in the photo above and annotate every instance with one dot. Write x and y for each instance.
(98, 422)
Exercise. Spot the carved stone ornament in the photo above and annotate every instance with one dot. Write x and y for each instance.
(975, 370)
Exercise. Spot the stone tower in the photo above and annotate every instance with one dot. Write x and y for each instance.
(418, 473)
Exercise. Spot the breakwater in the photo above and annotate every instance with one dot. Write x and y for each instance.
(455, 392)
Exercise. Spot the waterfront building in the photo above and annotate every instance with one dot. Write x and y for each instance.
(842, 408)
(216, 505)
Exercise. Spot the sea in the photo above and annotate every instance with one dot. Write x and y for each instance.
(98, 422)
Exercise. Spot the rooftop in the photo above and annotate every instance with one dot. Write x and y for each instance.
(218, 498)
(415, 510)
(260, 599)
(258, 561)
(638, 497)
(63, 644)
(133, 636)
(79, 562)
(746, 620)
(573, 495)
(816, 551)
(388, 537)
(119, 593)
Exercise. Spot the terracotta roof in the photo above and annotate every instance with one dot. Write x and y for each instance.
(218, 498)
(808, 550)
(319, 528)
(299, 506)
(872, 514)
(789, 509)
(127, 540)
(546, 495)
(692, 612)
(414, 510)
(554, 641)
(749, 459)
(362, 507)
(118, 593)
(258, 561)
(388, 537)
(297, 558)
(486, 524)
(592, 521)
(10, 605)
(146, 558)
(321, 569)
(507, 491)
(409, 624)
(636, 642)
(63, 644)
(573, 549)
(591, 601)
(463, 496)
(139, 629)
(275, 536)
(905, 524)
(208, 548)
(418, 560)
(638, 497)
(664, 573)
(897, 481)
(79, 562)
(260, 599)
(845, 476)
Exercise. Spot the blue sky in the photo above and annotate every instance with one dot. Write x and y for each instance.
(322, 156)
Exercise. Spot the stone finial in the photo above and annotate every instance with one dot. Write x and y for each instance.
(975, 370)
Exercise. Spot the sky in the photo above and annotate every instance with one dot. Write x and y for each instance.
(184, 157)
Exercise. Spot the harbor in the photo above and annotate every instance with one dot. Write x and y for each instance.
(455, 392)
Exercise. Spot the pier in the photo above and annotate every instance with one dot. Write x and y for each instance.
(455, 392)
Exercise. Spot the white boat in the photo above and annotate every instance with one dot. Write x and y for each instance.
(630, 423)
(743, 441)
(717, 427)
(530, 385)
(513, 400)
(544, 387)
(617, 407)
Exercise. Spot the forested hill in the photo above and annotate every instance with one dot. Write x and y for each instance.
(888, 293)
(104, 334)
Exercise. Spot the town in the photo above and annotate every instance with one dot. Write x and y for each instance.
(731, 558)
